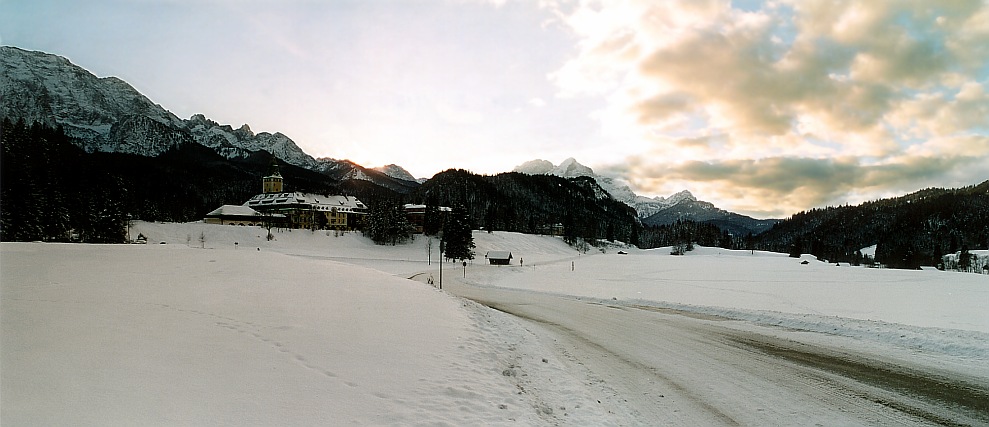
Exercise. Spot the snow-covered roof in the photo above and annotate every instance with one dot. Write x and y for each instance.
(499, 255)
(317, 201)
(233, 210)
(411, 206)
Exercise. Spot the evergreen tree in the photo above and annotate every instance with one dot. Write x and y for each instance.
(965, 259)
(489, 219)
(458, 241)
(726, 240)
(569, 230)
(432, 223)
(388, 224)
(400, 230)
(796, 248)
(375, 224)
(682, 239)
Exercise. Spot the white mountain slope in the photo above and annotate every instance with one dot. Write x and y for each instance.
(535, 167)
(240, 142)
(617, 188)
(107, 114)
(396, 171)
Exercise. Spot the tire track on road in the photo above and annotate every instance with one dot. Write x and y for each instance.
(714, 374)
(928, 394)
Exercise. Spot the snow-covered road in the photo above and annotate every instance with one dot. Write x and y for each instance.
(679, 368)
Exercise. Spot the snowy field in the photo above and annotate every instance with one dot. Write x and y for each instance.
(943, 312)
(319, 329)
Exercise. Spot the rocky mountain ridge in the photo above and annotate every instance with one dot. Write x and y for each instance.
(109, 115)
(655, 210)
(396, 171)
(106, 114)
(619, 190)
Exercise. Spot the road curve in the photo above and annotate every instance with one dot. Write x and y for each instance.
(676, 368)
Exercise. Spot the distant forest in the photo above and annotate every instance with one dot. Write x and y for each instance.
(51, 190)
(912, 230)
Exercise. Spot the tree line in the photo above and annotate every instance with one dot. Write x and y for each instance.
(574, 208)
(387, 223)
(912, 230)
(52, 190)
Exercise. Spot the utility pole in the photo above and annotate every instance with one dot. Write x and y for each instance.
(441, 259)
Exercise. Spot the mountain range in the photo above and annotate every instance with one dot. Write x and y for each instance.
(84, 153)
(655, 211)
(109, 115)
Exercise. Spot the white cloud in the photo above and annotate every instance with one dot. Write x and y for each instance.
(817, 80)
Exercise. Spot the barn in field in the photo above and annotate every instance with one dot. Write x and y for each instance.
(499, 257)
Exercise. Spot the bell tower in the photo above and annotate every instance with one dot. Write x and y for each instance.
(272, 183)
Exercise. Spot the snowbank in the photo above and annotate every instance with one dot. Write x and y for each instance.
(172, 335)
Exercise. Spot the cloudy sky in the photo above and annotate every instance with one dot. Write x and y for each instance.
(761, 107)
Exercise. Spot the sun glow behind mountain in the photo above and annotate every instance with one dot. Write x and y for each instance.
(763, 108)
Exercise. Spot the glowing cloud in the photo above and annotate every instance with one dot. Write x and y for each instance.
(793, 105)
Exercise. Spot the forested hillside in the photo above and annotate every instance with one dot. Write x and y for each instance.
(575, 207)
(52, 190)
(912, 230)
(50, 186)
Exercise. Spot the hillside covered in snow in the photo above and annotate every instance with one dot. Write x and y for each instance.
(211, 324)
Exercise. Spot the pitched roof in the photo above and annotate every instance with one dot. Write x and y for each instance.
(233, 210)
(499, 255)
(316, 201)
(410, 206)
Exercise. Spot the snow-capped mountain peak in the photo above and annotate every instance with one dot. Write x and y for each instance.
(108, 114)
(357, 174)
(396, 171)
(570, 168)
(105, 114)
(680, 197)
(535, 167)
(616, 187)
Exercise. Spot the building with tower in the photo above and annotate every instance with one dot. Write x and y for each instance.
(273, 182)
(306, 210)
(311, 211)
(292, 209)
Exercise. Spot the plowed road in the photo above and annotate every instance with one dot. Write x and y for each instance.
(675, 368)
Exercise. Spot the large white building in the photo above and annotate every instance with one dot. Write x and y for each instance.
(311, 211)
(292, 209)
